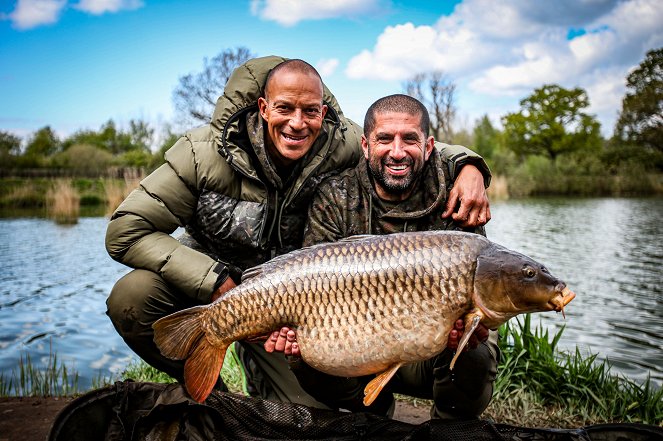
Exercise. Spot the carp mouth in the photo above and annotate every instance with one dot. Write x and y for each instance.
(561, 299)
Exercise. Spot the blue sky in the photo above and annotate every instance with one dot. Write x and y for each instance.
(74, 64)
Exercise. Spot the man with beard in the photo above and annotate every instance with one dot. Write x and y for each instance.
(241, 187)
(403, 185)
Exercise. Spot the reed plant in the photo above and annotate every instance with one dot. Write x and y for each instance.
(499, 188)
(578, 385)
(63, 202)
(116, 191)
(53, 380)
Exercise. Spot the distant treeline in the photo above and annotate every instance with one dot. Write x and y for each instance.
(549, 146)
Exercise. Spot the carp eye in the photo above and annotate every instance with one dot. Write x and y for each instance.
(529, 272)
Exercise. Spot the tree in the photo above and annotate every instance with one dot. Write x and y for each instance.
(437, 93)
(9, 144)
(641, 119)
(10, 148)
(485, 137)
(43, 143)
(196, 94)
(551, 122)
(140, 134)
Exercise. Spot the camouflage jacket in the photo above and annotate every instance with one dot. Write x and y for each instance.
(346, 204)
(219, 184)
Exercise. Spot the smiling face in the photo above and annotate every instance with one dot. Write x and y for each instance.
(293, 111)
(396, 150)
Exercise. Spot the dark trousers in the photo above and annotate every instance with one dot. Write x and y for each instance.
(464, 392)
(142, 297)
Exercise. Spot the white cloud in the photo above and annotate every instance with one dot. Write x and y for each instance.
(507, 48)
(291, 12)
(29, 14)
(327, 66)
(98, 7)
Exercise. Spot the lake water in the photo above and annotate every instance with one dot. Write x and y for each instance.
(54, 281)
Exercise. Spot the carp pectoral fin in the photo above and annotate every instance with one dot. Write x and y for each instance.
(202, 368)
(472, 320)
(375, 386)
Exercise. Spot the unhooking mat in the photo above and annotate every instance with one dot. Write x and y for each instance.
(151, 411)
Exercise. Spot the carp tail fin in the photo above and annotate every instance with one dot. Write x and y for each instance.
(176, 334)
(202, 369)
(472, 320)
(375, 386)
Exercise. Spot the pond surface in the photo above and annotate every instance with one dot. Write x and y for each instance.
(54, 281)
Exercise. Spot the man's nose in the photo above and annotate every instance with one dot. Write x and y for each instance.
(397, 149)
(297, 121)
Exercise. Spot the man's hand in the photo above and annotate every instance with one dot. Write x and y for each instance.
(468, 189)
(479, 335)
(225, 287)
(284, 341)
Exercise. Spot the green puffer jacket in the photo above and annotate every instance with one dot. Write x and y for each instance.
(220, 186)
(347, 205)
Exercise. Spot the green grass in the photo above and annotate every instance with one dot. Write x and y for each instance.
(30, 381)
(532, 369)
(537, 385)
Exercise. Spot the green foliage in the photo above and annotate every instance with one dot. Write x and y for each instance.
(641, 119)
(44, 143)
(10, 148)
(486, 138)
(83, 159)
(551, 122)
(530, 361)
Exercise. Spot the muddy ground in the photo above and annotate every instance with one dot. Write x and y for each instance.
(28, 419)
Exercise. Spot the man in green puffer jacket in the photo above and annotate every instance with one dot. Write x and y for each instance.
(240, 187)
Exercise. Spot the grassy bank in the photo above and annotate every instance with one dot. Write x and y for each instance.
(537, 385)
(63, 199)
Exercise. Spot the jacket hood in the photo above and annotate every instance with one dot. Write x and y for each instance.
(240, 99)
(430, 192)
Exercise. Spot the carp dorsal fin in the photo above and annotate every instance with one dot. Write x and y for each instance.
(252, 272)
(472, 320)
(375, 386)
(357, 237)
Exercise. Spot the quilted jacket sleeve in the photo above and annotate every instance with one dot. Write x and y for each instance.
(138, 234)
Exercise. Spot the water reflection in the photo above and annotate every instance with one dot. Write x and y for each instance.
(54, 281)
(610, 252)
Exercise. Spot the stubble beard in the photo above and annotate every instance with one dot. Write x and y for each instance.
(394, 185)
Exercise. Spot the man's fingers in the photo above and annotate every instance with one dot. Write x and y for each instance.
(463, 212)
(453, 340)
(451, 203)
(270, 343)
(295, 350)
(281, 340)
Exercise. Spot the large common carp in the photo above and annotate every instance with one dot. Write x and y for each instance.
(363, 305)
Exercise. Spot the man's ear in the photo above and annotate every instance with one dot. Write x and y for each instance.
(364, 146)
(430, 145)
(324, 111)
(262, 107)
